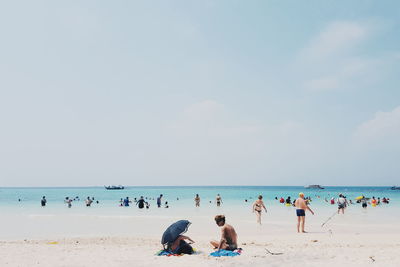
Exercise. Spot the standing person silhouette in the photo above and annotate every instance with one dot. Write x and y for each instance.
(257, 208)
(301, 207)
(43, 201)
(159, 199)
(197, 200)
(218, 200)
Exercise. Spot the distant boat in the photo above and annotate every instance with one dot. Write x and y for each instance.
(314, 186)
(395, 188)
(114, 187)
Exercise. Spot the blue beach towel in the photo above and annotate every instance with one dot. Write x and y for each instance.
(170, 253)
(223, 252)
(165, 253)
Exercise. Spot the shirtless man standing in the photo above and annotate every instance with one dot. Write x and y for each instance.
(228, 235)
(301, 207)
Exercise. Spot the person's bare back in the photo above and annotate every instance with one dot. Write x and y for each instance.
(300, 203)
(301, 207)
(229, 234)
(228, 239)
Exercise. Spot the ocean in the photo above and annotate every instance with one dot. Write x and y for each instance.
(23, 217)
(180, 196)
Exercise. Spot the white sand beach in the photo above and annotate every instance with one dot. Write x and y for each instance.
(309, 250)
(353, 239)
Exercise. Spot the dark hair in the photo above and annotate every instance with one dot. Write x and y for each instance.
(260, 197)
(219, 218)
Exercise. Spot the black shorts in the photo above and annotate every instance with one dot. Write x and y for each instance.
(341, 206)
(231, 247)
(300, 212)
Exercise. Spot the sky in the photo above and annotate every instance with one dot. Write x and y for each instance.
(206, 92)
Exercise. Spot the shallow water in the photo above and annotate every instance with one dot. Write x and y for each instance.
(30, 197)
(27, 219)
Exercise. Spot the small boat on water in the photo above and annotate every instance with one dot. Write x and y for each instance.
(314, 186)
(114, 187)
(395, 188)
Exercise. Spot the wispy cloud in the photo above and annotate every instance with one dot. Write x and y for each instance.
(204, 110)
(323, 84)
(383, 127)
(331, 60)
(343, 74)
(338, 37)
(210, 118)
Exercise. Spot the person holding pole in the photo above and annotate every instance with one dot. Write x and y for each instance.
(301, 207)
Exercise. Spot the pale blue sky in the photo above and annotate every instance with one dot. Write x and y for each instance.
(199, 92)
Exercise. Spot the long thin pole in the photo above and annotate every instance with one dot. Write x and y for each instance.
(322, 225)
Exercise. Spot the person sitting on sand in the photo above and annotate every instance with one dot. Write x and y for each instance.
(257, 208)
(180, 246)
(301, 207)
(228, 235)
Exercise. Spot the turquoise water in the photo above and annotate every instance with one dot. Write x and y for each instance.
(231, 195)
(26, 218)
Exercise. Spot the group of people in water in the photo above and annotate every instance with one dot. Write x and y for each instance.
(228, 240)
(365, 201)
(301, 204)
(142, 202)
(68, 201)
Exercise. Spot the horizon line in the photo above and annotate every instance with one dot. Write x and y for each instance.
(128, 186)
